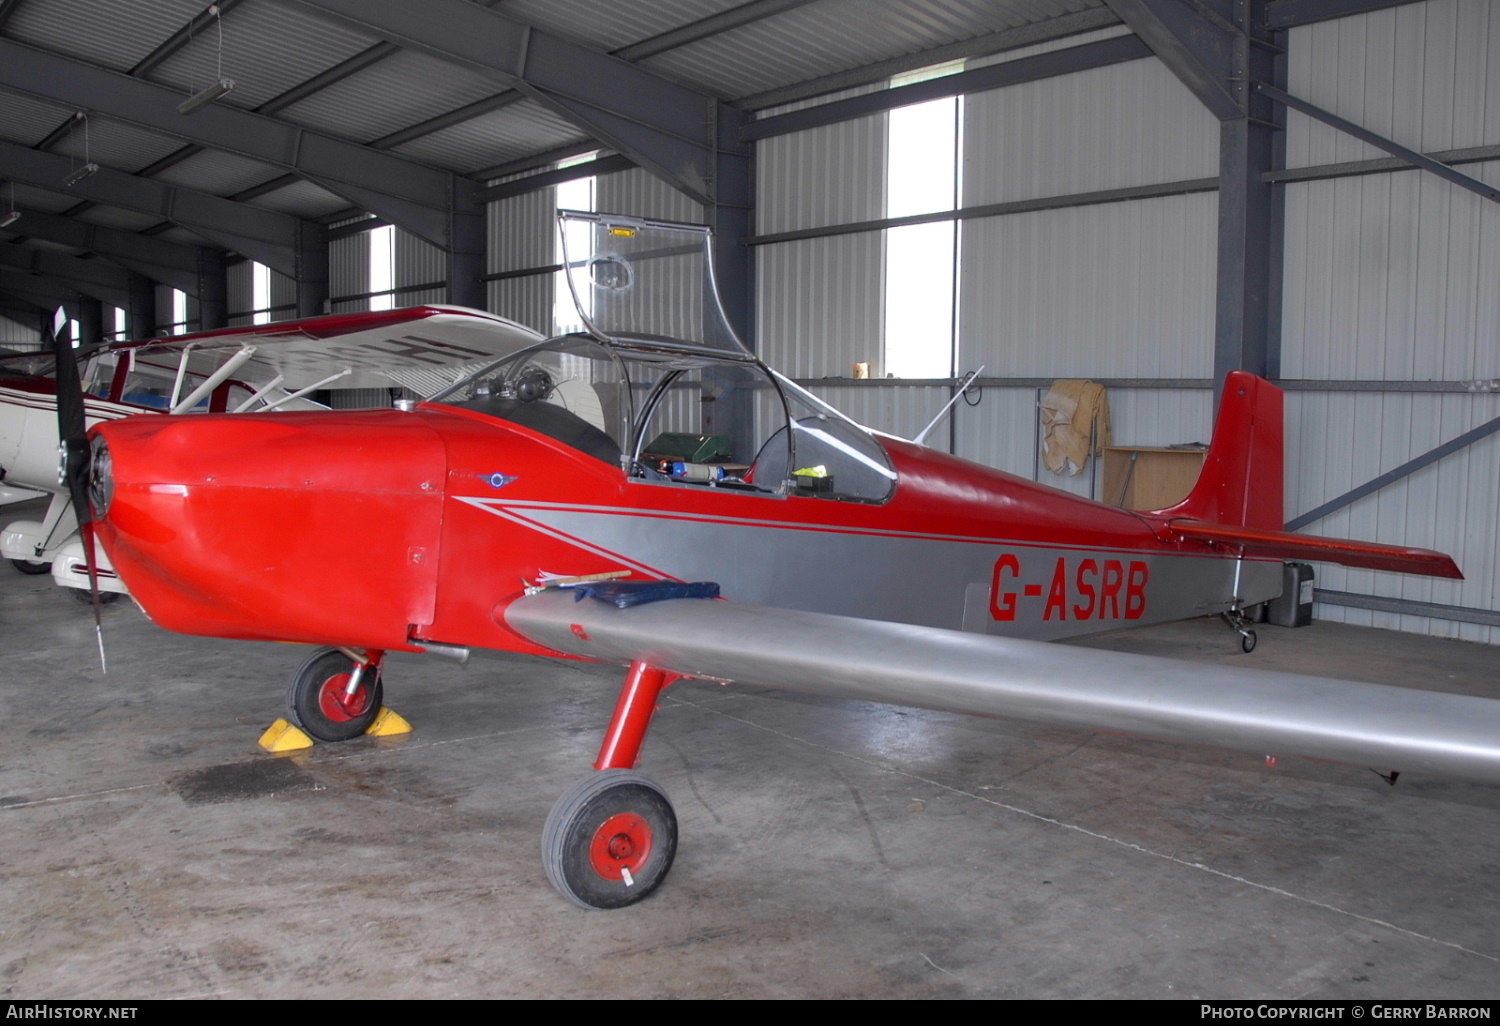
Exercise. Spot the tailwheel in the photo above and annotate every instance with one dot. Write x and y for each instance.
(609, 840)
(1240, 624)
(334, 698)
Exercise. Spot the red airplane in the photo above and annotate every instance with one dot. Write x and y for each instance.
(541, 504)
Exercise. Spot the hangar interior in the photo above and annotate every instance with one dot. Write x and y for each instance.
(1145, 193)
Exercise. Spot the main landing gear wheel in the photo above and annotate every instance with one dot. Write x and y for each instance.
(31, 567)
(609, 840)
(320, 701)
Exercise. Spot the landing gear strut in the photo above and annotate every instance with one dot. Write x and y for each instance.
(610, 839)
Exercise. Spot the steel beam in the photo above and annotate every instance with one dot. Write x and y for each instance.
(1411, 466)
(1411, 156)
(213, 290)
(661, 125)
(725, 21)
(1380, 165)
(466, 256)
(140, 315)
(1197, 48)
(1078, 199)
(1285, 14)
(263, 235)
(1408, 607)
(166, 262)
(981, 46)
(545, 179)
(48, 293)
(312, 275)
(183, 36)
(66, 273)
(996, 76)
(411, 194)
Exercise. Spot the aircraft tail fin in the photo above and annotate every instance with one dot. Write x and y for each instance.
(1242, 479)
(1238, 501)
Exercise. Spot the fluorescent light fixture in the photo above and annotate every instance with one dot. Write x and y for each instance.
(203, 97)
(81, 174)
(10, 219)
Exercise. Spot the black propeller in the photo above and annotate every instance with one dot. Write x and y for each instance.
(73, 465)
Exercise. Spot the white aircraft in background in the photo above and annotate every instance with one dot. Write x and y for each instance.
(254, 368)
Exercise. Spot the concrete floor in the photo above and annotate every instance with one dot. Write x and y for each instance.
(829, 849)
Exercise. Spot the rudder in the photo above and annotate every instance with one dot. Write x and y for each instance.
(1243, 476)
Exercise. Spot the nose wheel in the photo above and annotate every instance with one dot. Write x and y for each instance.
(333, 697)
(609, 840)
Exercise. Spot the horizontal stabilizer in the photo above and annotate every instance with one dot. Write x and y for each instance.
(1259, 541)
(928, 667)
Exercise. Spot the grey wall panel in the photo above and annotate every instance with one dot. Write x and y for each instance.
(522, 231)
(526, 300)
(241, 294)
(283, 294)
(416, 262)
(900, 411)
(1426, 75)
(642, 194)
(19, 336)
(349, 271)
(1129, 124)
(1116, 290)
(823, 176)
(1337, 441)
(819, 308)
(1392, 277)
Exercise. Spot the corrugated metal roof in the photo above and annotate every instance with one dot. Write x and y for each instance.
(220, 173)
(29, 119)
(114, 33)
(612, 24)
(268, 49)
(836, 35)
(37, 199)
(402, 90)
(183, 237)
(491, 139)
(125, 220)
(116, 144)
(302, 199)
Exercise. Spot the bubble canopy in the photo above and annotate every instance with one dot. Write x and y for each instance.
(650, 283)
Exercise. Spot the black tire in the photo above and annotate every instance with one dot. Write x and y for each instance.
(1247, 642)
(87, 597)
(610, 824)
(317, 702)
(31, 567)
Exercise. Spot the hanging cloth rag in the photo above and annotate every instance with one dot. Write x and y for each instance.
(1075, 424)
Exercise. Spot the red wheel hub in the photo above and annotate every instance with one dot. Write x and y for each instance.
(622, 842)
(340, 706)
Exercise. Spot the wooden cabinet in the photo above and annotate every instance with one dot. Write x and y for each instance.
(1147, 478)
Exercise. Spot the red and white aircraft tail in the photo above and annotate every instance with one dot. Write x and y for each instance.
(1238, 502)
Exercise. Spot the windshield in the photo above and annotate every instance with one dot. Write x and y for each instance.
(646, 282)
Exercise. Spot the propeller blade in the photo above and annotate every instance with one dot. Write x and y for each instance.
(73, 470)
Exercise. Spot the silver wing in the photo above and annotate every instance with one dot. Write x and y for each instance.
(1250, 710)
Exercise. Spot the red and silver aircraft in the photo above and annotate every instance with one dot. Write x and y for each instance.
(258, 367)
(656, 455)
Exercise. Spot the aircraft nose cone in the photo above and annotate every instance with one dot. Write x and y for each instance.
(294, 527)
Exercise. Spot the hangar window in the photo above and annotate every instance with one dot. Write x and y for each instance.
(382, 268)
(922, 177)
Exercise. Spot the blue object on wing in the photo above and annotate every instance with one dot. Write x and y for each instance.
(624, 594)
